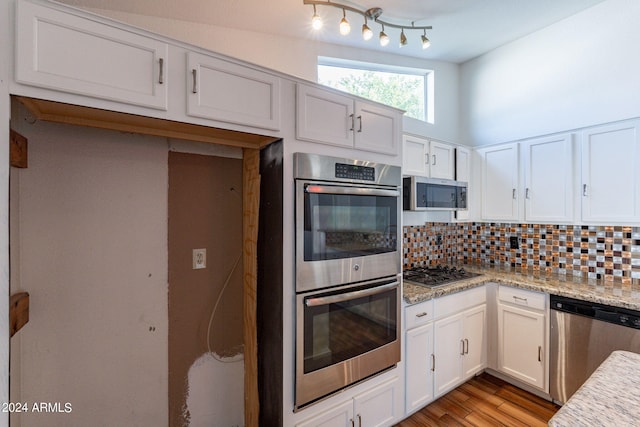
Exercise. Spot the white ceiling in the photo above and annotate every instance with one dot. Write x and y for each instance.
(462, 29)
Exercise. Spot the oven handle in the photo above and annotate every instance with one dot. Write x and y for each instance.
(314, 302)
(357, 191)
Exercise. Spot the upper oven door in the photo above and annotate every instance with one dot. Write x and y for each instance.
(345, 233)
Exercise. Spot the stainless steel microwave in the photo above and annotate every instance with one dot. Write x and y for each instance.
(419, 193)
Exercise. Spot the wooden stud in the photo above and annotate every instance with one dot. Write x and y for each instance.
(17, 149)
(18, 312)
(250, 209)
(58, 112)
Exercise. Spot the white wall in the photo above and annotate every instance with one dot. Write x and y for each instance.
(92, 246)
(579, 72)
(299, 58)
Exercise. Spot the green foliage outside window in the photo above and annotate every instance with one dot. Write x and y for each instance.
(404, 91)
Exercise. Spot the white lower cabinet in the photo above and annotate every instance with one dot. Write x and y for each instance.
(460, 348)
(376, 407)
(419, 357)
(521, 336)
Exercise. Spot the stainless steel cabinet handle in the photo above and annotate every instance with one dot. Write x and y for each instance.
(539, 353)
(353, 424)
(462, 346)
(513, 194)
(194, 73)
(526, 193)
(359, 421)
(434, 159)
(353, 121)
(516, 298)
(584, 190)
(161, 71)
(466, 342)
(360, 123)
(424, 313)
(433, 362)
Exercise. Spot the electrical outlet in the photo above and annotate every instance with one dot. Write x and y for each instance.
(514, 243)
(199, 259)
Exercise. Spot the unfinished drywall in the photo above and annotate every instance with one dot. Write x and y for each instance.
(205, 305)
(91, 249)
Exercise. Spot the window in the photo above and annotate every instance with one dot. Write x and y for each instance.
(406, 88)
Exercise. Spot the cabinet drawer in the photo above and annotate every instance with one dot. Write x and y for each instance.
(458, 302)
(521, 297)
(419, 314)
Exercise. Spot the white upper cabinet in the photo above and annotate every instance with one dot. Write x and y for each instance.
(61, 51)
(548, 170)
(415, 156)
(327, 117)
(423, 157)
(610, 173)
(442, 158)
(222, 90)
(500, 182)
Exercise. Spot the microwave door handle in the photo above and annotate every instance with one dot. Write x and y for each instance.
(356, 191)
(313, 302)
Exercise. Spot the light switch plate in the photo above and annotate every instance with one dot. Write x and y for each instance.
(199, 259)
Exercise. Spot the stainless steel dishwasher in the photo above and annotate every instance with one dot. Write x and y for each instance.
(583, 335)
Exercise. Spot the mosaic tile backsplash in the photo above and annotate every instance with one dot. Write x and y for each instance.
(610, 253)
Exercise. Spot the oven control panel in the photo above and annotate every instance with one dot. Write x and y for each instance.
(362, 173)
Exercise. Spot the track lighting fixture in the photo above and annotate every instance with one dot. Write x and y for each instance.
(403, 38)
(384, 39)
(373, 13)
(345, 27)
(425, 41)
(366, 31)
(316, 21)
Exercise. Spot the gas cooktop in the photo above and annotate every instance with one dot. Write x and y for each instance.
(437, 276)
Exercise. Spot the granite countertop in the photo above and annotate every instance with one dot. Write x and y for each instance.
(610, 397)
(609, 293)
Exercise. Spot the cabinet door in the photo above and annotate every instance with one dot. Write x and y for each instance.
(448, 349)
(521, 347)
(610, 162)
(419, 367)
(324, 116)
(442, 158)
(61, 51)
(500, 183)
(228, 92)
(463, 173)
(339, 416)
(376, 128)
(548, 193)
(379, 406)
(474, 336)
(415, 156)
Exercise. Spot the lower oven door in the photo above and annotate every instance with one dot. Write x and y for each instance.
(344, 335)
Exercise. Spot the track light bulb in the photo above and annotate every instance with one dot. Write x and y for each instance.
(384, 39)
(345, 28)
(366, 31)
(425, 41)
(316, 21)
(403, 38)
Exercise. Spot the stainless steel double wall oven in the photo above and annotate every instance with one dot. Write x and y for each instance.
(348, 260)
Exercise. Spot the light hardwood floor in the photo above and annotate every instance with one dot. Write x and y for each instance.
(484, 401)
